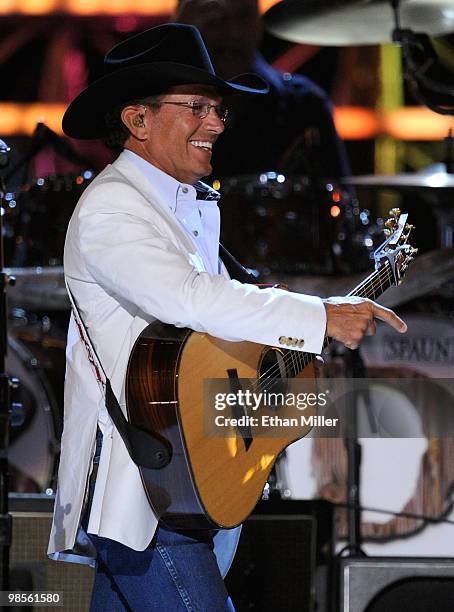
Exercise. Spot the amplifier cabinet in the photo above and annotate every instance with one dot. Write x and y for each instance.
(395, 584)
(30, 567)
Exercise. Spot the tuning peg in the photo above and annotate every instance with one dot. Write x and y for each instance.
(387, 232)
(395, 212)
(413, 251)
(390, 224)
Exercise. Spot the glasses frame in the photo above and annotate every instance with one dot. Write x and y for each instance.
(221, 111)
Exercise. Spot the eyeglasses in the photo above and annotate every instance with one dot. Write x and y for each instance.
(202, 109)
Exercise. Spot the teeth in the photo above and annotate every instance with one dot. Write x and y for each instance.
(202, 144)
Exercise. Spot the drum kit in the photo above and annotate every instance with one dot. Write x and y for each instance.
(287, 232)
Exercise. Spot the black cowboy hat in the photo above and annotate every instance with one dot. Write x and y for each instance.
(147, 64)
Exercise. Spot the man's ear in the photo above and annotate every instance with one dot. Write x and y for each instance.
(135, 119)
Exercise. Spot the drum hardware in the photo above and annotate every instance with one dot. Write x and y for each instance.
(34, 444)
(39, 289)
(17, 408)
(355, 22)
(335, 23)
(5, 394)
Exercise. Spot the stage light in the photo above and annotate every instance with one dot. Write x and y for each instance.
(416, 123)
(352, 123)
(37, 7)
(355, 123)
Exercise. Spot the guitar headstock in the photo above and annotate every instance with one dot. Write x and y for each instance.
(396, 250)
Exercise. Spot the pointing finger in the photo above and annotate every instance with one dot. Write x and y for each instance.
(390, 317)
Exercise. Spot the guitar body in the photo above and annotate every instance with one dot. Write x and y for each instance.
(211, 481)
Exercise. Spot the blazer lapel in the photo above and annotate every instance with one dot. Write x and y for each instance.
(136, 179)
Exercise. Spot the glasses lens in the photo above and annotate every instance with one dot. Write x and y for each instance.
(198, 109)
(202, 109)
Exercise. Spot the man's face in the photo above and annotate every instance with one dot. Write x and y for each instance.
(231, 30)
(176, 141)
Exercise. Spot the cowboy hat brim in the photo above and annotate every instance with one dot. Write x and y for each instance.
(84, 117)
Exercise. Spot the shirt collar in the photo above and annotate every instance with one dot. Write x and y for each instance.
(170, 188)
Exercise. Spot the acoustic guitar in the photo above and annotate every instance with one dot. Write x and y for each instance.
(213, 481)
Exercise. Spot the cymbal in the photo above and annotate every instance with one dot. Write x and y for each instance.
(401, 182)
(355, 22)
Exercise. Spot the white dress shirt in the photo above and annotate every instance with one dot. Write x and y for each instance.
(200, 218)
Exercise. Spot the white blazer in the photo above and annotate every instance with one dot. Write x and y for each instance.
(128, 261)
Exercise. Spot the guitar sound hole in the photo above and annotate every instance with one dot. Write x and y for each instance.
(272, 371)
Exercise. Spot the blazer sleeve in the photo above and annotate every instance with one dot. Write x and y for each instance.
(133, 259)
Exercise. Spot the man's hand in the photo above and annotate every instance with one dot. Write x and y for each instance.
(349, 319)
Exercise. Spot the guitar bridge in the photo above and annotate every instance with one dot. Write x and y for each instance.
(238, 410)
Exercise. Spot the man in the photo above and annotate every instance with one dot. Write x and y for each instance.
(140, 246)
(300, 135)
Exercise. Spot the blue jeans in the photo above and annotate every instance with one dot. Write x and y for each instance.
(178, 572)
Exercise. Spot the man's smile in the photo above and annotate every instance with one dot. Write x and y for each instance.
(202, 144)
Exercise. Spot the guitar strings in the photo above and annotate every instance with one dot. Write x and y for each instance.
(299, 359)
(370, 283)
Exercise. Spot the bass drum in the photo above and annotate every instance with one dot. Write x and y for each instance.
(409, 475)
(34, 442)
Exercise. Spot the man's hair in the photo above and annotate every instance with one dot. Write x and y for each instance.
(116, 133)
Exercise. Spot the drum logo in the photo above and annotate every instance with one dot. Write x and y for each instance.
(419, 349)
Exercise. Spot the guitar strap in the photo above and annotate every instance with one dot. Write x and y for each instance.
(144, 448)
(235, 269)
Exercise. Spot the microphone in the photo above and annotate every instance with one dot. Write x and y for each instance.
(4, 154)
(431, 83)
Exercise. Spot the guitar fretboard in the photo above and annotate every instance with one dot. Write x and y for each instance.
(371, 287)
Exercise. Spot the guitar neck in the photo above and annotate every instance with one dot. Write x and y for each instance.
(371, 287)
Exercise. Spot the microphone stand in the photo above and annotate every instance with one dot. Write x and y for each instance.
(354, 368)
(41, 138)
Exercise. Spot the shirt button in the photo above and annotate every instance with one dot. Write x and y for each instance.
(185, 190)
(195, 232)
